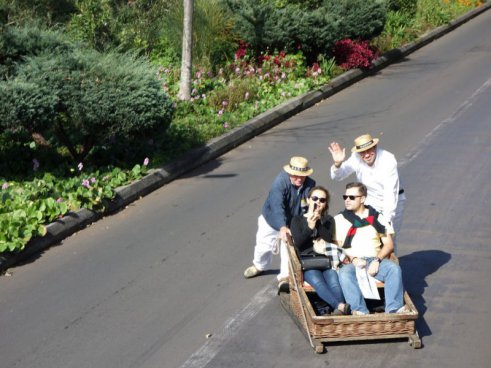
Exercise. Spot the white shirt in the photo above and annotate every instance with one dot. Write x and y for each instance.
(366, 242)
(381, 180)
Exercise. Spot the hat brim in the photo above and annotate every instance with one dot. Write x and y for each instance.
(374, 143)
(290, 171)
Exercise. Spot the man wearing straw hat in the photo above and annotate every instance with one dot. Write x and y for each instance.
(287, 198)
(377, 169)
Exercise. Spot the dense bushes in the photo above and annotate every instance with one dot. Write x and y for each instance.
(408, 7)
(16, 44)
(81, 98)
(314, 31)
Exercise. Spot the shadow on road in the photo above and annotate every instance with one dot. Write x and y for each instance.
(415, 269)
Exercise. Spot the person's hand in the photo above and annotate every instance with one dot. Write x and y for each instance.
(373, 268)
(284, 231)
(313, 215)
(338, 153)
(358, 262)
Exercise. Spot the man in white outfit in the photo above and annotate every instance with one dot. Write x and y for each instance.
(377, 169)
(287, 198)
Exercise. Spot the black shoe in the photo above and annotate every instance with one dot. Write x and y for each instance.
(283, 287)
(345, 312)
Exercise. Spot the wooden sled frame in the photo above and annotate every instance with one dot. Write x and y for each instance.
(329, 328)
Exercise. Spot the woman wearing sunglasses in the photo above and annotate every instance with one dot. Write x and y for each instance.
(318, 226)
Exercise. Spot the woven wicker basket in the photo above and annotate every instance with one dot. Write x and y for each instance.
(345, 328)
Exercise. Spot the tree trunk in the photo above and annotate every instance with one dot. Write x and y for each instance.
(187, 43)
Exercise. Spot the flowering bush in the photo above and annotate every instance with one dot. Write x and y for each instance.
(26, 206)
(239, 90)
(351, 54)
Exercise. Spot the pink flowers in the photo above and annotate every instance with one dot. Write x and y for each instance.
(80, 166)
(86, 183)
(5, 186)
(146, 161)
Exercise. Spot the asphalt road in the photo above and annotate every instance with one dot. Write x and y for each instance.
(146, 286)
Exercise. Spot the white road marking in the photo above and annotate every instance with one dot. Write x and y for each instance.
(213, 345)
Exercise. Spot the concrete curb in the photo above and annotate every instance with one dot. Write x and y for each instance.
(73, 222)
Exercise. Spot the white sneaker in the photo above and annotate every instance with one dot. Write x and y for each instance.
(251, 272)
(403, 310)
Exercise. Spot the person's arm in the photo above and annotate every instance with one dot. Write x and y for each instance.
(387, 249)
(340, 171)
(301, 233)
(277, 206)
(326, 229)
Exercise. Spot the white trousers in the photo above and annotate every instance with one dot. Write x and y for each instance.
(397, 221)
(266, 245)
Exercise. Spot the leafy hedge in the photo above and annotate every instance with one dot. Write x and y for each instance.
(315, 31)
(79, 98)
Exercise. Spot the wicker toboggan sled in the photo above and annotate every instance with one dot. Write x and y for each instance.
(321, 329)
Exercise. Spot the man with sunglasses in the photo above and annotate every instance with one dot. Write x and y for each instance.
(366, 238)
(287, 198)
(377, 169)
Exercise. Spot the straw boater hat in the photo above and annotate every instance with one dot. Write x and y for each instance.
(364, 142)
(298, 166)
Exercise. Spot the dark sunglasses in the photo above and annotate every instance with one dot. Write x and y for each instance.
(352, 197)
(321, 200)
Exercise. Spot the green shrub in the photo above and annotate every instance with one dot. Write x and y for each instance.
(295, 26)
(83, 98)
(93, 23)
(399, 29)
(18, 43)
(408, 7)
(46, 12)
(230, 98)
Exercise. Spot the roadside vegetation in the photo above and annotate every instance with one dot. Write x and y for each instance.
(89, 88)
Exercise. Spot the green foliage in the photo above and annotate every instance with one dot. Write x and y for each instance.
(137, 24)
(295, 26)
(93, 23)
(407, 7)
(237, 92)
(83, 98)
(18, 43)
(399, 29)
(434, 13)
(311, 4)
(230, 98)
(213, 40)
(46, 12)
(26, 207)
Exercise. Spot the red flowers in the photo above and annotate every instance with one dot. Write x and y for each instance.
(351, 54)
(242, 50)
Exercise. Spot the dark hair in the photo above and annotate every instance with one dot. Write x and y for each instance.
(328, 196)
(362, 189)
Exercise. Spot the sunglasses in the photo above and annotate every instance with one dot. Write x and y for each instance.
(321, 200)
(352, 197)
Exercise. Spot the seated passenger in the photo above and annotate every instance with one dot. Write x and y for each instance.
(366, 237)
(317, 225)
